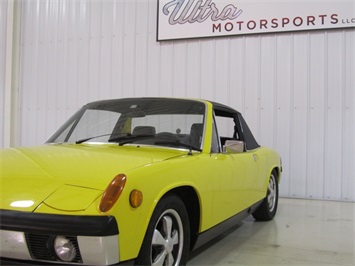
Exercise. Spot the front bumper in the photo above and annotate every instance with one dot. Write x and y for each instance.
(29, 237)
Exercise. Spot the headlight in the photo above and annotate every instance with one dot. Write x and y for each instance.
(64, 248)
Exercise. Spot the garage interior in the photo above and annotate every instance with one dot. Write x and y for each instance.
(296, 89)
(304, 232)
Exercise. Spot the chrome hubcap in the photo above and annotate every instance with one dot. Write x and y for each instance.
(167, 242)
(271, 193)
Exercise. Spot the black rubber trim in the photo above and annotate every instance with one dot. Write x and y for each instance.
(217, 230)
(55, 224)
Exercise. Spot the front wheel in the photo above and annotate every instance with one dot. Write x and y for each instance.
(267, 210)
(167, 238)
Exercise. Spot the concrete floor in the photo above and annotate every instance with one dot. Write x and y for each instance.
(304, 232)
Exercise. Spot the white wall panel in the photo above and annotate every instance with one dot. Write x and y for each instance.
(283, 134)
(252, 65)
(296, 90)
(222, 71)
(316, 119)
(299, 115)
(207, 73)
(178, 81)
(193, 70)
(3, 17)
(268, 99)
(334, 110)
(237, 73)
(348, 162)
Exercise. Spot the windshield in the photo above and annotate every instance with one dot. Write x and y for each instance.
(150, 121)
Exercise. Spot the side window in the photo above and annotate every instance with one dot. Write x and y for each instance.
(232, 126)
(225, 128)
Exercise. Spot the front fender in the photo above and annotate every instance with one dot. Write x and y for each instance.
(155, 181)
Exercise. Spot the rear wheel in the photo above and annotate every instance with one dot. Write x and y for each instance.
(167, 239)
(267, 210)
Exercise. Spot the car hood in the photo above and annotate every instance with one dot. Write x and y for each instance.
(67, 177)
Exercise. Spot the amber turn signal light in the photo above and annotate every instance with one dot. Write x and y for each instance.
(112, 192)
(136, 198)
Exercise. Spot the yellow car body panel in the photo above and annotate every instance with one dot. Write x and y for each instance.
(51, 166)
(70, 179)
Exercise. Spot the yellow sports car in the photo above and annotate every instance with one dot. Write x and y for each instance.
(135, 181)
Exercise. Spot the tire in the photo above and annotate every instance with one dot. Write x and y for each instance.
(167, 240)
(267, 210)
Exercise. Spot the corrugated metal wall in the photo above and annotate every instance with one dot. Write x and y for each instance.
(296, 90)
(3, 12)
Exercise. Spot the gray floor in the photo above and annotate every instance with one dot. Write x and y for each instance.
(304, 232)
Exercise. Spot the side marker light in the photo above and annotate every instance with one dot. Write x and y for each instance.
(136, 198)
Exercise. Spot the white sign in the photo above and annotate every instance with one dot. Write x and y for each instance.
(181, 19)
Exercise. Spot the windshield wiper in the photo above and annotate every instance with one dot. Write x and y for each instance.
(99, 136)
(130, 138)
(177, 143)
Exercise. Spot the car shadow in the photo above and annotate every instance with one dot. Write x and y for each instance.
(230, 241)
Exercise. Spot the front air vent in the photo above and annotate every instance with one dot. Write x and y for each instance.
(38, 247)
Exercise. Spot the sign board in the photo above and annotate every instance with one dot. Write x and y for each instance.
(182, 19)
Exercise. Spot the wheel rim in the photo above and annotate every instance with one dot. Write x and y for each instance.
(167, 242)
(272, 190)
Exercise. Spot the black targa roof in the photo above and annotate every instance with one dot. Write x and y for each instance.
(242, 126)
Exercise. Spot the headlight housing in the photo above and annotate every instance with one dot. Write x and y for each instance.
(64, 249)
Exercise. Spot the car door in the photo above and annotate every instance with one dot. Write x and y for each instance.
(236, 172)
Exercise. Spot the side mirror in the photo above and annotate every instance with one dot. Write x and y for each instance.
(233, 146)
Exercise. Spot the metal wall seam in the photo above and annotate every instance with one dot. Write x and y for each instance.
(326, 62)
(343, 117)
(258, 88)
(352, 107)
(308, 113)
(277, 97)
(347, 115)
(3, 27)
(291, 158)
